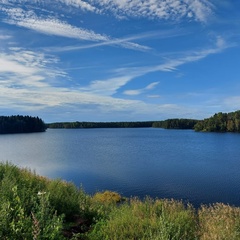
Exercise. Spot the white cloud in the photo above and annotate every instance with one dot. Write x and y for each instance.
(141, 90)
(26, 69)
(79, 4)
(4, 37)
(198, 10)
(154, 96)
(109, 86)
(193, 56)
(125, 75)
(232, 103)
(84, 5)
(152, 85)
(133, 92)
(9, 65)
(220, 43)
(25, 78)
(24, 87)
(124, 42)
(60, 98)
(52, 26)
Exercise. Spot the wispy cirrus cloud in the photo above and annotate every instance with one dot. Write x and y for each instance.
(232, 102)
(122, 76)
(122, 42)
(141, 90)
(20, 68)
(53, 26)
(27, 83)
(4, 37)
(108, 86)
(125, 41)
(48, 25)
(25, 78)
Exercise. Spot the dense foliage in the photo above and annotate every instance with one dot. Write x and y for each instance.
(34, 207)
(100, 124)
(220, 122)
(176, 123)
(21, 124)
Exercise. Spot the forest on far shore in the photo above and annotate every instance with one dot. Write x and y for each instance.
(219, 122)
(21, 124)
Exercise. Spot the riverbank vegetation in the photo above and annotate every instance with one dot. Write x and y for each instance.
(35, 207)
(21, 124)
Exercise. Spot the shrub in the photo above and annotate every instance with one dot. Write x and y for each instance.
(107, 197)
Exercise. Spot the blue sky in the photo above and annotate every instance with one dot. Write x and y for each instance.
(119, 60)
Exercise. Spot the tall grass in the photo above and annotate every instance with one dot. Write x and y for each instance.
(148, 219)
(219, 221)
(34, 207)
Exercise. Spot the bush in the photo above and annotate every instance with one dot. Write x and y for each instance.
(108, 197)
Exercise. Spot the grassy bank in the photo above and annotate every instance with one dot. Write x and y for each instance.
(34, 207)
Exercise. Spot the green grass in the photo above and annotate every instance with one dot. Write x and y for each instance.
(35, 207)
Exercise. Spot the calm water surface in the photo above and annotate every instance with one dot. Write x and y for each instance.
(180, 164)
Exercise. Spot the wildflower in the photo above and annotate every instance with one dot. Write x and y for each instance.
(41, 193)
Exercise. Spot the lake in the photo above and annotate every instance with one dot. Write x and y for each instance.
(180, 164)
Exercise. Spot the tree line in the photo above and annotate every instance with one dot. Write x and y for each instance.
(220, 122)
(168, 124)
(21, 124)
(100, 124)
(176, 123)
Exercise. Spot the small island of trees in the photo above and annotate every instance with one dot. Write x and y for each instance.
(21, 124)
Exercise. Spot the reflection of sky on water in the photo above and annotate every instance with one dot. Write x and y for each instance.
(160, 163)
